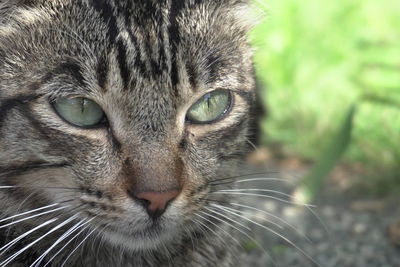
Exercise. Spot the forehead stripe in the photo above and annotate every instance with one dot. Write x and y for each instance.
(106, 13)
(8, 104)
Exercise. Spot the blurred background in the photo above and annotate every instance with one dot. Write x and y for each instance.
(329, 80)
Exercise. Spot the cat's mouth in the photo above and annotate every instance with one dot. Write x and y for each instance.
(151, 236)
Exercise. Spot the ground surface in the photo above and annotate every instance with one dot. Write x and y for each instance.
(344, 229)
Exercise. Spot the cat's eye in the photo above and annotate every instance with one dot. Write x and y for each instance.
(79, 111)
(210, 107)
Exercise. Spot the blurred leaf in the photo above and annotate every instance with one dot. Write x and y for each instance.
(312, 182)
(387, 101)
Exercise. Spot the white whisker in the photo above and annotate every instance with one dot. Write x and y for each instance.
(75, 227)
(320, 221)
(255, 190)
(19, 252)
(264, 196)
(276, 233)
(264, 179)
(252, 144)
(33, 216)
(219, 227)
(235, 212)
(28, 212)
(69, 241)
(273, 216)
(6, 187)
(222, 215)
(11, 243)
(249, 237)
(80, 244)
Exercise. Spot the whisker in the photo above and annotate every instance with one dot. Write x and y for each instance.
(251, 144)
(308, 206)
(72, 239)
(11, 243)
(222, 215)
(276, 233)
(235, 212)
(320, 221)
(29, 212)
(80, 244)
(242, 175)
(254, 179)
(33, 216)
(273, 216)
(19, 252)
(40, 187)
(219, 227)
(70, 231)
(264, 196)
(254, 190)
(249, 237)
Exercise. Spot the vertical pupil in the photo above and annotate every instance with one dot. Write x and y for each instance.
(208, 99)
(82, 102)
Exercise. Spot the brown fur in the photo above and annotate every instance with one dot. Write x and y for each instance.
(145, 62)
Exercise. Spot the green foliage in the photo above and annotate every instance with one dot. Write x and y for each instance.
(313, 181)
(317, 59)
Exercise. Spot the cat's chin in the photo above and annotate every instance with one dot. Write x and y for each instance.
(144, 240)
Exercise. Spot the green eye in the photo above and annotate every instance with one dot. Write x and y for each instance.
(210, 107)
(79, 111)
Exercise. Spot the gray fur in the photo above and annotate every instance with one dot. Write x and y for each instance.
(144, 62)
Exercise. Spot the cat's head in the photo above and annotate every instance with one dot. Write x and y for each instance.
(121, 113)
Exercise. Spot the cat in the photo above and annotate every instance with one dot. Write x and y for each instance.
(118, 118)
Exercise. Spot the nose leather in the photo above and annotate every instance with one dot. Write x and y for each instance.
(156, 202)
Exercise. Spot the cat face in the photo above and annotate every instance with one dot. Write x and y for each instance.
(121, 113)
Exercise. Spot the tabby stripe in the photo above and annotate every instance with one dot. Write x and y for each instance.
(228, 133)
(123, 67)
(106, 12)
(28, 166)
(214, 64)
(159, 64)
(248, 96)
(138, 60)
(102, 71)
(70, 67)
(191, 72)
(9, 104)
(138, 63)
(174, 36)
(26, 111)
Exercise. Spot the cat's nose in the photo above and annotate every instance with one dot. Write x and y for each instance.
(155, 203)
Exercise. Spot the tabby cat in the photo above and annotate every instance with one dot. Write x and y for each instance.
(117, 120)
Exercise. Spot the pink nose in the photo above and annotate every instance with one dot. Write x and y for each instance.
(156, 202)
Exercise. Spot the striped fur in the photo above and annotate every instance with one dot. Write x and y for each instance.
(145, 62)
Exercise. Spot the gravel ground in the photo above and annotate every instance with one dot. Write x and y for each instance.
(343, 230)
